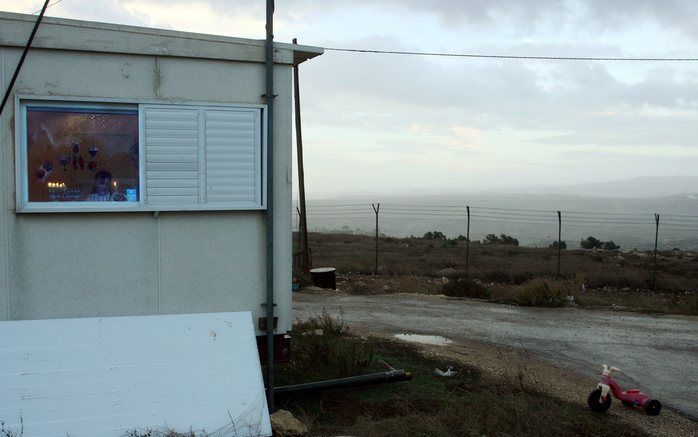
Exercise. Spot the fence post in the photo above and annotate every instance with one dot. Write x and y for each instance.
(559, 240)
(654, 257)
(467, 241)
(376, 208)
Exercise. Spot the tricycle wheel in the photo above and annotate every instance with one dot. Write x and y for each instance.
(595, 403)
(653, 407)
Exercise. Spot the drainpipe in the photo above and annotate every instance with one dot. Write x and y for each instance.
(269, 97)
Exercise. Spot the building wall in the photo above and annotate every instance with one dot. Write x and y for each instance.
(109, 264)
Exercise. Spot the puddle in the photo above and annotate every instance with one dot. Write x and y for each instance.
(424, 339)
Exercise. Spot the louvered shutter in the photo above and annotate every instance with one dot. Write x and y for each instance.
(232, 159)
(202, 157)
(171, 155)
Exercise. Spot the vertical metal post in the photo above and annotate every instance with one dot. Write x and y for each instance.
(300, 245)
(376, 208)
(654, 257)
(269, 98)
(559, 240)
(305, 257)
(467, 241)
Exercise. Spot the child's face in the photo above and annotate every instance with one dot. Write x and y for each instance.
(103, 184)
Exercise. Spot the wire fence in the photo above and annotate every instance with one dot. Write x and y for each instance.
(532, 227)
(550, 230)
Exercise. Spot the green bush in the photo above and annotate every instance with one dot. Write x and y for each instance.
(542, 292)
(322, 349)
(464, 287)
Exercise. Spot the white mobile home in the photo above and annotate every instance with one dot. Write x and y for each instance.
(133, 172)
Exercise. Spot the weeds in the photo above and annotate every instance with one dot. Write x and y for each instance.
(464, 287)
(543, 292)
(322, 349)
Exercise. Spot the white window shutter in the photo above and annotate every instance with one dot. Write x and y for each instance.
(232, 156)
(171, 155)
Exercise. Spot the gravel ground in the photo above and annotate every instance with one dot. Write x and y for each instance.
(560, 350)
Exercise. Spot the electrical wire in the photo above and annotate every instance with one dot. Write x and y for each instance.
(50, 5)
(519, 57)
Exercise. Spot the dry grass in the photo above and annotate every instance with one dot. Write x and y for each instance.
(676, 270)
(612, 280)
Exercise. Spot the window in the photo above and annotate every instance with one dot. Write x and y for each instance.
(82, 154)
(103, 157)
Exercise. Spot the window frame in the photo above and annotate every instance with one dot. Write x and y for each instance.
(23, 205)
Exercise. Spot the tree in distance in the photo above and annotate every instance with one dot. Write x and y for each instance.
(501, 239)
(563, 245)
(594, 243)
(436, 235)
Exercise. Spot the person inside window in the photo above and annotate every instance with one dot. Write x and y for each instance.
(103, 189)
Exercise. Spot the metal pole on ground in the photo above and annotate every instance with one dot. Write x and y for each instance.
(467, 241)
(376, 208)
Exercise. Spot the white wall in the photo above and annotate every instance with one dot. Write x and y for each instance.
(106, 264)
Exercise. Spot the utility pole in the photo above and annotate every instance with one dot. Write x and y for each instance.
(467, 241)
(269, 99)
(559, 240)
(305, 256)
(654, 257)
(376, 208)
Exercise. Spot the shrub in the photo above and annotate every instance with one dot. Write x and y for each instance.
(322, 349)
(464, 287)
(542, 292)
(436, 235)
(610, 245)
(594, 243)
(563, 245)
(502, 239)
(591, 243)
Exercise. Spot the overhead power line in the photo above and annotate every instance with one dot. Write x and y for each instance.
(50, 5)
(488, 56)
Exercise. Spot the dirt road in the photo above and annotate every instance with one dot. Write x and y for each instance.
(658, 354)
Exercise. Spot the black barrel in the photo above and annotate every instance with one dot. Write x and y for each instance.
(324, 277)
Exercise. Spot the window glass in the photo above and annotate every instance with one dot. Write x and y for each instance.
(80, 154)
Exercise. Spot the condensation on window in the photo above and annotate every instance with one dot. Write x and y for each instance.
(82, 155)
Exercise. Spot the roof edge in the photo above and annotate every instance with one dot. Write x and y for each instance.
(70, 34)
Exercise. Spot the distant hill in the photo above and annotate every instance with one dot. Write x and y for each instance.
(636, 188)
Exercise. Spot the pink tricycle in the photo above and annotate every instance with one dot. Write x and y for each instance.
(600, 400)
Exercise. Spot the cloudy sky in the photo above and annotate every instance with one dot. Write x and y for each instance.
(390, 123)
